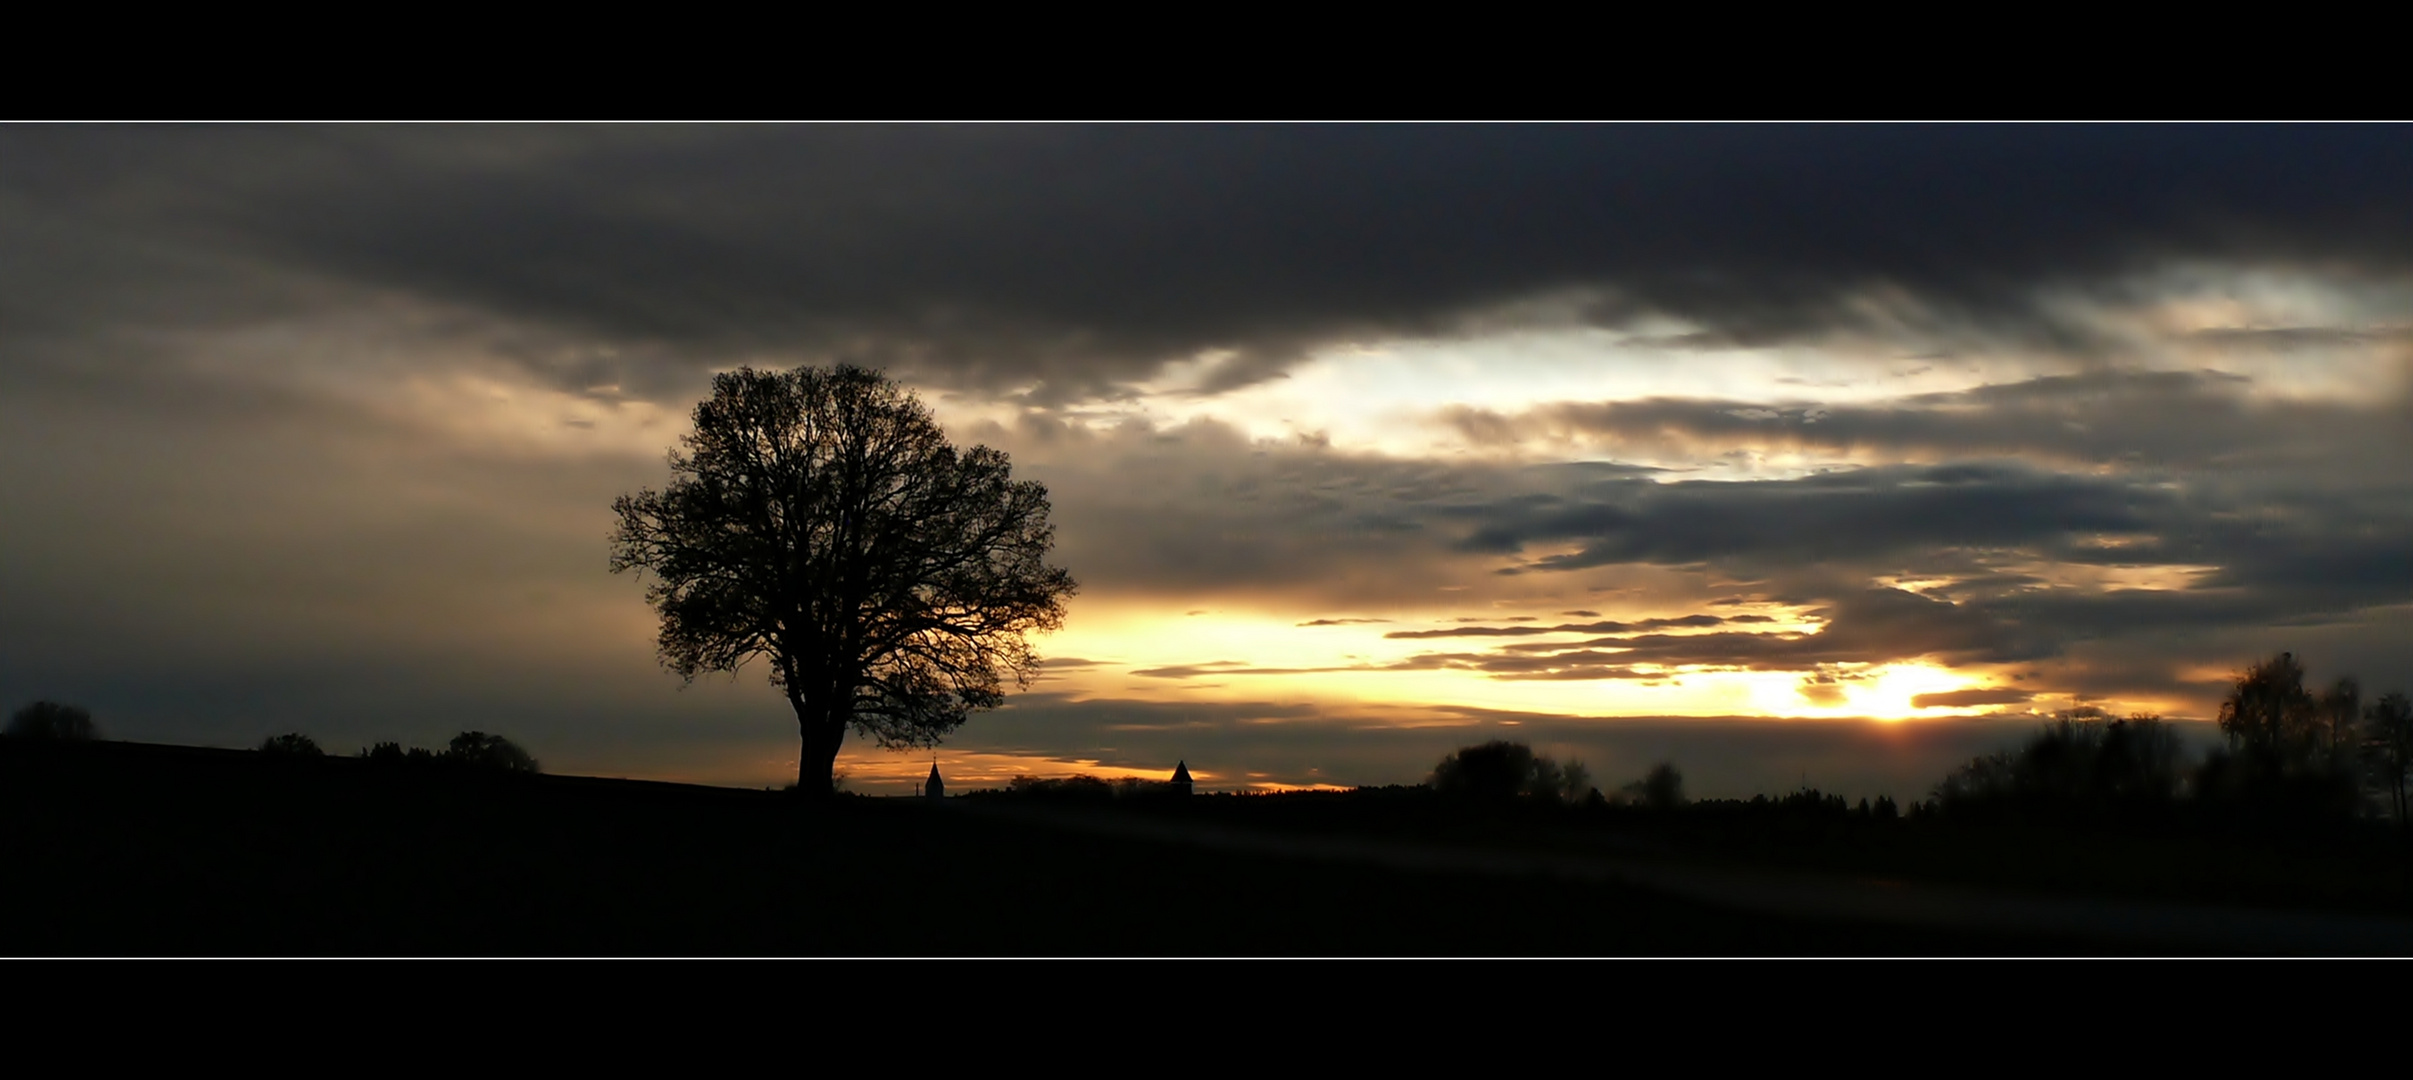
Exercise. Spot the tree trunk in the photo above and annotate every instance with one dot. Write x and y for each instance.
(822, 735)
(832, 739)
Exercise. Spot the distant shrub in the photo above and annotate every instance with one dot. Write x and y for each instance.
(293, 744)
(480, 750)
(1661, 789)
(1503, 770)
(51, 721)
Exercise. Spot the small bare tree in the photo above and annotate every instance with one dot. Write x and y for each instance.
(2388, 745)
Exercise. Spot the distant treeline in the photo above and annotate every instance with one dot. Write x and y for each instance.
(1085, 788)
(2289, 752)
(49, 721)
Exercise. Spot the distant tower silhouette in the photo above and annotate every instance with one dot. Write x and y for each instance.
(1181, 777)
(934, 788)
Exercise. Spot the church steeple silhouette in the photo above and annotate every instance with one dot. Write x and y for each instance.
(1181, 777)
(934, 788)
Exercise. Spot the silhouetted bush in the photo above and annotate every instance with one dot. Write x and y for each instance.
(480, 750)
(51, 721)
(1661, 789)
(1500, 771)
(293, 744)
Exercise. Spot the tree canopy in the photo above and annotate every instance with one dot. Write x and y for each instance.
(2084, 760)
(293, 744)
(49, 720)
(1502, 770)
(490, 751)
(820, 520)
(2268, 712)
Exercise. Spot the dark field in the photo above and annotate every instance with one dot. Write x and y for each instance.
(123, 849)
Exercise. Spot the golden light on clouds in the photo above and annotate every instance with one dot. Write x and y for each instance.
(1233, 656)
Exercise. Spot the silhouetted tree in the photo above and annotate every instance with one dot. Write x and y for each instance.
(2388, 745)
(1575, 782)
(819, 519)
(2082, 759)
(2268, 715)
(2339, 707)
(1503, 770)
(476, 748)
(52, 721)
(1988, 776)
(2141, 760)
(1660, 789)
(2280, 737)
(294, 744)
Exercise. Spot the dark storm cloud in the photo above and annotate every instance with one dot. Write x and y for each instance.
(1080, 256)
(1871, 626)
(1200, 509)
(1849, 514)
(2291, 337)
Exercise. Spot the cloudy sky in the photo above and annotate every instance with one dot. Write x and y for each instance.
(1794, 454)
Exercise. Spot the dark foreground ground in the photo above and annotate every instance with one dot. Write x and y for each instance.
(122, 849)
